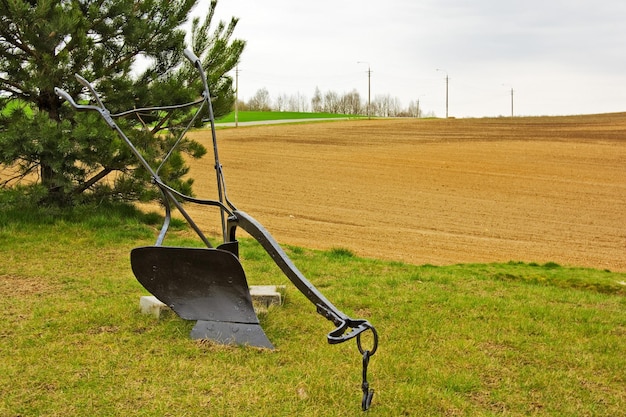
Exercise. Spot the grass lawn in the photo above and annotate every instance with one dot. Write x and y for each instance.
(459, 340)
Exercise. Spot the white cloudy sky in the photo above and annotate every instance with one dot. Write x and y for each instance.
(558, 56)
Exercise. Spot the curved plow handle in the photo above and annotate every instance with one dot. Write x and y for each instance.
(65, 95)
(191, 56)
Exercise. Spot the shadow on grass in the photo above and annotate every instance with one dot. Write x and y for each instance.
(19, 206)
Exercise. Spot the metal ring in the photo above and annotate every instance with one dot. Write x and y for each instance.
(358, 342)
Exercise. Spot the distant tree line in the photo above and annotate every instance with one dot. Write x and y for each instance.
(332, 102)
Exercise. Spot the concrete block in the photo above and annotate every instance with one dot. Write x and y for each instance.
(263, 296)
(149, 304)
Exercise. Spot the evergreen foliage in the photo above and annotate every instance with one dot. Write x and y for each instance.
(132, 52)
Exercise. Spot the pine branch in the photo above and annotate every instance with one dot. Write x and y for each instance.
(93, 180)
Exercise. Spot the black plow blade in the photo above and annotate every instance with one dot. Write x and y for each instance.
(203, 284)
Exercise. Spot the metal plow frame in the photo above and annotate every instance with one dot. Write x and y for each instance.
(208, 284)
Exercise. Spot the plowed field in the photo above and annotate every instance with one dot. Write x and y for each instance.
(433, 191)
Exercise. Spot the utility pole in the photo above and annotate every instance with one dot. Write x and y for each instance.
(369, 87)
(447, 80)
(369, 92)
(237, 96)
(447, 83)
(512, 114)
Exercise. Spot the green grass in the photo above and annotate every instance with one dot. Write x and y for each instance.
(255, 116)
(460, 340)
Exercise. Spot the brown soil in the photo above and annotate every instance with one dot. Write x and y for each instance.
(433, 191)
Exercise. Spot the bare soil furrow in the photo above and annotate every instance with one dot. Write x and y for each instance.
(435, 191)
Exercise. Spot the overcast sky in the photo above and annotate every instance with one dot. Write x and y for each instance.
(559, 56)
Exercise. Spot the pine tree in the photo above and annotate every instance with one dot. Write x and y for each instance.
(132, 52)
